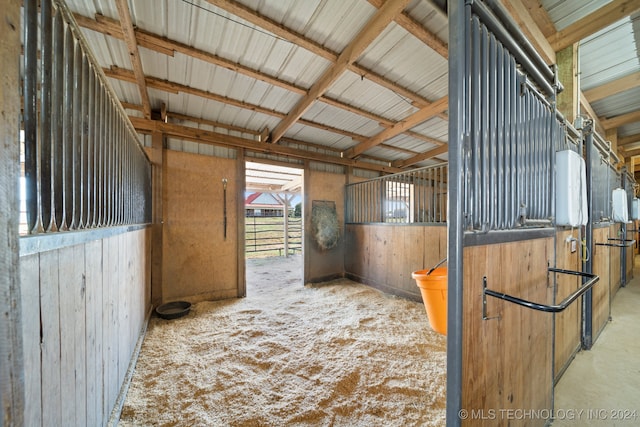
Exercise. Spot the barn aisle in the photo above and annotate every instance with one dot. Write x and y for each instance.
(338, 353)
(600, 387)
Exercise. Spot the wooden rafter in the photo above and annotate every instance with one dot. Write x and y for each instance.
(421, 157)
(400, 127)
(166, 46)
(521, 15)
(619, 85)
(593, 22)
(208, 137)
(354, 49)
(540, 16)
(620, 120)
(630, 139)
(418, 31)
(132, 45)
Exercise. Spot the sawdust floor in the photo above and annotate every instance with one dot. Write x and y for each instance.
(332, 354)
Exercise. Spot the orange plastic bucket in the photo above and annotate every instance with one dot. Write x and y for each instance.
(434, 295)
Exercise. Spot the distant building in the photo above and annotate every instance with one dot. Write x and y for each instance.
(262, 205)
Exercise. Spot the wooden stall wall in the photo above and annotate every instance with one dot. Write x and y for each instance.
(198, 262)
(320, 265)
(84, 310)
(603, 265)
(568, 323)
(615, 263)
(384, 255)
(507, 361)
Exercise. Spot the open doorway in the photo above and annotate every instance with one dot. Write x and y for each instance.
(274, 226)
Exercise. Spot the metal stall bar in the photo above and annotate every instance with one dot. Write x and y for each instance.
(505, 35)
(58, 120)
(590, 280)
(459, 15)
(46, 83)
(30, 95)
(587, 264)
(84, 164)
(502, 137)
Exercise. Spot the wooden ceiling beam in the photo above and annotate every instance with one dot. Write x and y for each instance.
(520, 13)
(540, 16)
(418, 31)
(421, 157)
(621, 120)
(400, 127)
(354, 49)
(166, 46)
(619, 85)
(132, 46)
(274, 27)
(630, 139)
(594, 22)
(213, 138)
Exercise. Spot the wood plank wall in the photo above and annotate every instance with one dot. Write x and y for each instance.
(604, 265)
(198, 262)
(568, 323)
(383, 256)
(507, 362)
(89, 302)
(615, 257)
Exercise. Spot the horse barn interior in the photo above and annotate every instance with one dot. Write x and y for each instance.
(500, 135)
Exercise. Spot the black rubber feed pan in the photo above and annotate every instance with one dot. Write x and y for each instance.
(173, 310)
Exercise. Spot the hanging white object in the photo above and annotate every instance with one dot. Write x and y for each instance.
(619, 212)
(571, 189)
(635, 208)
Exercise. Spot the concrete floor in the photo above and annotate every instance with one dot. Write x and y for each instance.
(602, 386)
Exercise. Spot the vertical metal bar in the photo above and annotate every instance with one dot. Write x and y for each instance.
(68, 130)
(77, 137)
(501, 91)
(459, 15)
(57, 119)
(87, 148)
(493, 142)
(46, 65)
(31, 112)
(81, 149)
(100, 156)
(587, 265)
(484, 141)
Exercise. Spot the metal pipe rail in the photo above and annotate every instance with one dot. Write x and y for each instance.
(502, 26)
(593, 279)
(628, 243)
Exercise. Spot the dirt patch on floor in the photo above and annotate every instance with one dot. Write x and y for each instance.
(337, 353)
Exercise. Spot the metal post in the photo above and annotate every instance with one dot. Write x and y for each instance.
(623, 236)
(458, 17)
(587, 265)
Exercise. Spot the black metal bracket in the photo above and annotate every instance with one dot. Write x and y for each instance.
(627, 243)
(593, 279)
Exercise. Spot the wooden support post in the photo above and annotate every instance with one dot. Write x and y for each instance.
(612, 135)
(240, 228)
(11, 355)
(157, 156)
(568, 75)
